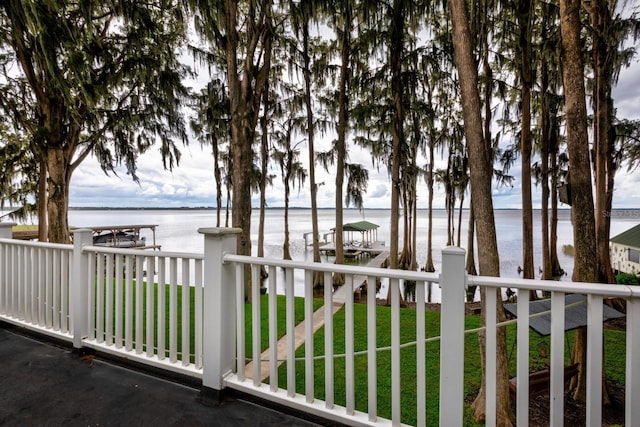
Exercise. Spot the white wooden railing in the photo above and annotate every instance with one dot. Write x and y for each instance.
(102, 298)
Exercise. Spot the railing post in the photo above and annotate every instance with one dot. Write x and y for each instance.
(219, 311)
(453, 281)
(79, 287)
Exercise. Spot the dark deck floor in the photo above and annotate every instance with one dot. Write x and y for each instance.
(42, 384)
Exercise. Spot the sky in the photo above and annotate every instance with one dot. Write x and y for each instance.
(192, 184)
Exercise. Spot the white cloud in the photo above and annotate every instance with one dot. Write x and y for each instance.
(192, 182)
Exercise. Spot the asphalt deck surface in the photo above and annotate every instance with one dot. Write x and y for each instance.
(45, 385)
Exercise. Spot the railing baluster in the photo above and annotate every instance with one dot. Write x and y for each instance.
(118, 283)
(557, 359)
(110, 303)
(128, 303)
(28, 300)
(65, 280)
(308, 333)
(490, 354)
(91, 292)
(421, 352)
(291, 342)
(273, 330)
(162, 308)
(42, 286)
(328, 340)
(56, 289)
(372, 365)
(255, 308)
(150, 305)
(348, 340)
(13, 284)
(594, 362)
(394, 288)
(198, 313)
(33, 277)
(186, 318)
(240, 323)
(22, 298)
(522, 399)
(139, 274)
(49, 286)
(173, 309)
(100, 297)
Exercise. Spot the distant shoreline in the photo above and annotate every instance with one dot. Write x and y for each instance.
(211, 208)
(8, 209)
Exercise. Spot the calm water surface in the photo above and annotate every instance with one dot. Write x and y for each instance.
(178, 230)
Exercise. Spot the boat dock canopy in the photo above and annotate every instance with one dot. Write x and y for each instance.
(368, 233)
(360, 226)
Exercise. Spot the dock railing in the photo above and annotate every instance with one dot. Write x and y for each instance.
(186, 313)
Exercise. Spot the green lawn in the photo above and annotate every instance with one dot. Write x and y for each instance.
(614, 363)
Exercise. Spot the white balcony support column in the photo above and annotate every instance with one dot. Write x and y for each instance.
(79, 287)
(453, 282)
(219, 307)
(632, 395)
(594, 360)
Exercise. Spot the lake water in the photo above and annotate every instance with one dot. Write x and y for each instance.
(178, 230)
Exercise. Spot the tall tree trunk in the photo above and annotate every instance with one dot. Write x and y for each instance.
(524, 21)
(584, 270)
(218, 178)
(343, 111)
(481, 171)
(471, 257)
(245, 89)
(42, 201)
(556, 268)
(397, 120)
(264, 162)
(602, 130)
(58, 194)
(460, 218)
(286, 253)
(429, 265)
(544, 170)
(318, 278)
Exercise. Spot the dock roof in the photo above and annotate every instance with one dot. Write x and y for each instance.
(360, 226)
